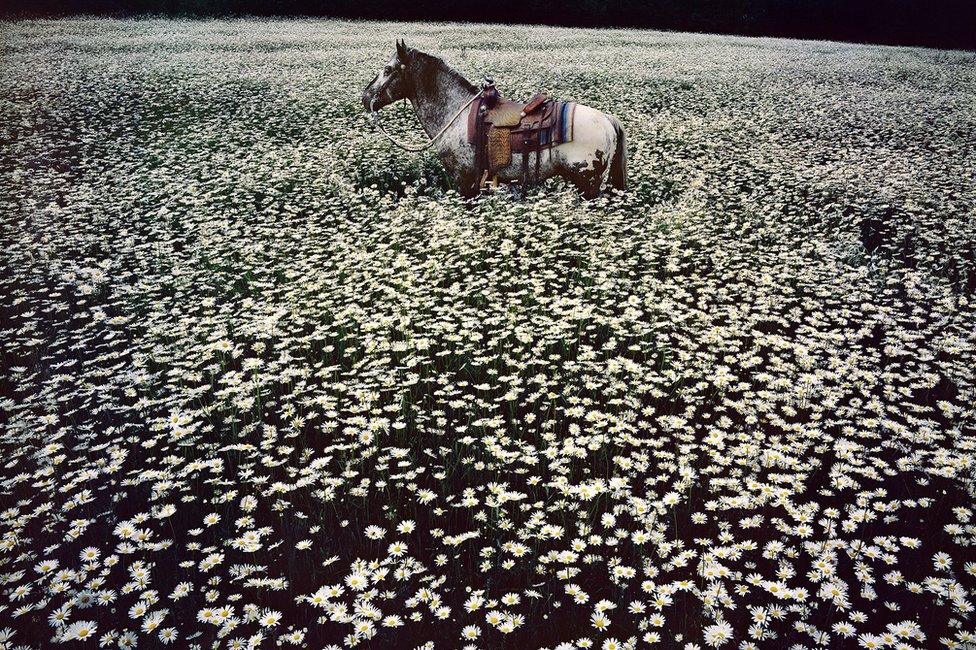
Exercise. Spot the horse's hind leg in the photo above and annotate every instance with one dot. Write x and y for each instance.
(588, 176)
(590, 190)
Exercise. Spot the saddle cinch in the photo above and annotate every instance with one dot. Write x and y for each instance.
(498, 127)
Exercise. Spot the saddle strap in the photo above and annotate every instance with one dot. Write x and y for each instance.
(481, 144)
(538, 157)
(474, 117)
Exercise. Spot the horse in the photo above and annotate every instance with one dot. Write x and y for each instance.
(440, 96)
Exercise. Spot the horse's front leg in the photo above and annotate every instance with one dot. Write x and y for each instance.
(462, 173)
(467, 184)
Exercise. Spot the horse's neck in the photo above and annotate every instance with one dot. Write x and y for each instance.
(437, 98)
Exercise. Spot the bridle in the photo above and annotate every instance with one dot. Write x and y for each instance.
(389, 80)
(376, 116)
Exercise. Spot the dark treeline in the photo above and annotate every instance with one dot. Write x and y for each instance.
(935, 23)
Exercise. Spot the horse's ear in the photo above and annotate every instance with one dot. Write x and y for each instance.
(402, 51)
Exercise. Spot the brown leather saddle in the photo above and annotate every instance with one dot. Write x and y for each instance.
(499, 127)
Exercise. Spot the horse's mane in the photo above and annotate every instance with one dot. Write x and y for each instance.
(439, 63)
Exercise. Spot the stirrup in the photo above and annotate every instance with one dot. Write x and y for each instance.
(488, 181)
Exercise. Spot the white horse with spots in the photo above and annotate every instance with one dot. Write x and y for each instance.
(442, 97)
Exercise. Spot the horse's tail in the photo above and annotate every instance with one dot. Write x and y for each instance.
(618, 166)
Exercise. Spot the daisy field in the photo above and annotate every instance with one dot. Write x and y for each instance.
(266, 381)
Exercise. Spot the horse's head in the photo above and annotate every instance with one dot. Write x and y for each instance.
(393, 83)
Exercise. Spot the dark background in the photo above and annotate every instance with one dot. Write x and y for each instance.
(935, 23)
